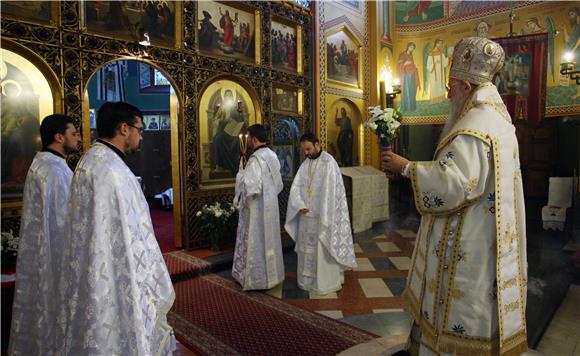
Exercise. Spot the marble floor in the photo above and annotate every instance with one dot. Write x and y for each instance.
(563, 334)
(370, 298)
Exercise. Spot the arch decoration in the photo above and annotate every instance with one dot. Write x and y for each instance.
(74, 53)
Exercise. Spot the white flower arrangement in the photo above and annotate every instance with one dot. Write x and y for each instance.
(384, 122)
(214, 217)
(9, 243)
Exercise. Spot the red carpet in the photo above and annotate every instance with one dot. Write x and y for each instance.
(181, 265)
(163, 226)
(213, 316)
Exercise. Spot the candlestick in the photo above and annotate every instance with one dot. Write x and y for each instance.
(243, 149)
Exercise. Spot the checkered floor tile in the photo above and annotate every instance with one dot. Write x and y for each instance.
(375, 286)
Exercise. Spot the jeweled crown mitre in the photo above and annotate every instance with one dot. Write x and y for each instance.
(476, 59)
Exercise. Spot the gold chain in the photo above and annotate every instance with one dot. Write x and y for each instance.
(311, 177)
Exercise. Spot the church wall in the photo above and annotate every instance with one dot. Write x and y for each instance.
(57, 32)
(561, 94)
(451, 21)
(343, 80)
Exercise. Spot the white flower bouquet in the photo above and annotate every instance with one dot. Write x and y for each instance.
(218, 221)
(9, 247)
(385, 123)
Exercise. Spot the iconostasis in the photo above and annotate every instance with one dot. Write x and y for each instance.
(227, 64)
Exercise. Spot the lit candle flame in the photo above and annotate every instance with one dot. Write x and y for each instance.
(569, 57)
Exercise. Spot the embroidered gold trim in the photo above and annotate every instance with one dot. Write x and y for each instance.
(470, 132)
(510, 237)
(441, 263)
(471, 185)
(498, 214)
(419, 205)
(457, 294)
(431, 285)
(411, 304)
(451, 276)
(417, 272)
(509, 283)
(510, 307)
(420, 240)
(514, 345)
(497, 176)
(421, 254)
(424, 242)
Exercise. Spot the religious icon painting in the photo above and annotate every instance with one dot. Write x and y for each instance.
(343, 58)
(37, 11)
(419, 11)
(27, 97)
(226, 110)
(343, 127)
(285, 100)
(227, 31)
(164, 122)
(284, 46)
(154, 22)
(286, 158)
(151, 122)
(92, 119)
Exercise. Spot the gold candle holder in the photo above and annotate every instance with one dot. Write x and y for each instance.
(243, 149)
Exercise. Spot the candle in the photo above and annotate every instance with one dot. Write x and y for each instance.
(569, 57)
(382, 93)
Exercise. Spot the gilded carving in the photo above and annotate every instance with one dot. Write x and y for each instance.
(74, 55)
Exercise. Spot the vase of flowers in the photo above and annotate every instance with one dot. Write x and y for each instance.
(385, 124)
(9, 248)
(218, 221)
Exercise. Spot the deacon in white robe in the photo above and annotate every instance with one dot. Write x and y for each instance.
(317, 220)
(466, 287)
(258, 262)
(42, 230)
(116, 291)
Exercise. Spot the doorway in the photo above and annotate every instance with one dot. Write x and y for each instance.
(156, 163)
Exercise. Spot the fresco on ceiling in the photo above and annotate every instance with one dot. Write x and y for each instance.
(425, 11)
(418, 12)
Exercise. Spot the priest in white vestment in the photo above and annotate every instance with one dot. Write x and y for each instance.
(258, 262)
(116, 290)
(317, 220)
(466, 287)
(42, 227)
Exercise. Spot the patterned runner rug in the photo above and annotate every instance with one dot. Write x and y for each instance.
(213, 316)
(182, 266)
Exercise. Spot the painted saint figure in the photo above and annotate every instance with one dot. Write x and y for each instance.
(410, 84)
(227, 124)
(345, 138)
(227, 24)
(436, 68)
(206, 30)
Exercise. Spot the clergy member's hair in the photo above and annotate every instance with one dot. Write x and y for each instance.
(310, 137)
(111, 115)
(258, 131)
(51, 125)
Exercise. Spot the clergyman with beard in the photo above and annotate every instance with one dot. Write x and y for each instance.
(467, 281)
(115, 288)
(317, 220)
(42, 230)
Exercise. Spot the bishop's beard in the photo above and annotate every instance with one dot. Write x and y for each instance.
(457, 103)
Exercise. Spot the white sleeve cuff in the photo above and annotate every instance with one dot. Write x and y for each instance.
(405, 170)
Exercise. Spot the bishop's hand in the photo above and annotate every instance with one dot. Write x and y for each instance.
(392, 162)
(304, 210)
